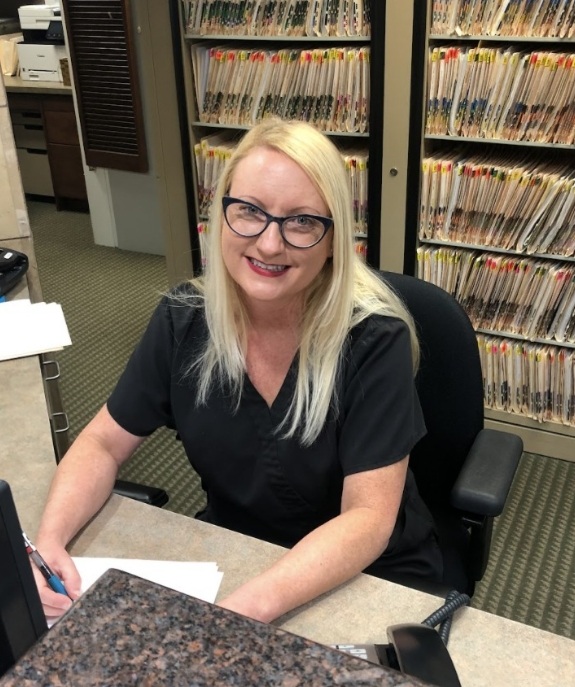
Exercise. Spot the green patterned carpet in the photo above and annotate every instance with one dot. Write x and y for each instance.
(108, 296)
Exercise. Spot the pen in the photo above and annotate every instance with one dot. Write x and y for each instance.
(51, 578)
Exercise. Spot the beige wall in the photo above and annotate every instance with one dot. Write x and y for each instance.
(13, 215)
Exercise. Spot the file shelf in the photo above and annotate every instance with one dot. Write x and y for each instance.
(457, 195)
(213, 132)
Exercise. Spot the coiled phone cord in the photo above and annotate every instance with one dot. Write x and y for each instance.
(443, 616)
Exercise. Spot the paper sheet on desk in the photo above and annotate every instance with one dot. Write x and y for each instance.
(29, 329)
(201, 580)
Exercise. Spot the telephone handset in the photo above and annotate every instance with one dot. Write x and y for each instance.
(420, 651)
(13, 266)
(417, 649)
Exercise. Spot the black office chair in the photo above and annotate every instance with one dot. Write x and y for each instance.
(463, 471)
(153, 496)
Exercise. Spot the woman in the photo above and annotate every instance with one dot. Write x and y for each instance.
(288, 374)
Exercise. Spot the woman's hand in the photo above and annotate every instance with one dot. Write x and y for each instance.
(83, 482)
(62, 565)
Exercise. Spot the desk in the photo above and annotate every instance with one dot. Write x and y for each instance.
(127, 631)
(488, 651)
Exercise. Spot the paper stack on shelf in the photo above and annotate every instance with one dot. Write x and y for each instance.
(273, 18)
(528, 379)
(541, 18)
(505, 293)
(328, 87)
(501, 94)
(512, 202)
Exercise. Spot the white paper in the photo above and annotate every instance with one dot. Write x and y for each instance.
(198, 579)
(29, 329)
(201, 580)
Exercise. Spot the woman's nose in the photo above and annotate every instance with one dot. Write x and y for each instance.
(271, 241)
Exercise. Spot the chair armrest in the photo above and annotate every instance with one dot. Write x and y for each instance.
(153, 496)
(485, 479)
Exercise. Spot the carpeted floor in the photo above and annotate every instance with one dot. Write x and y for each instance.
(108, 296)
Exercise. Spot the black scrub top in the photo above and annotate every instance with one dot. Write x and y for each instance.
(256, 482)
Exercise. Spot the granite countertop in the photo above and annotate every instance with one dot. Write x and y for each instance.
(128, 631)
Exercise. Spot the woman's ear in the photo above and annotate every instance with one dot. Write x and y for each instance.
(330, 251)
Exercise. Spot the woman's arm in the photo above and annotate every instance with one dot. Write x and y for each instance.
(83, 482)
(331, 554)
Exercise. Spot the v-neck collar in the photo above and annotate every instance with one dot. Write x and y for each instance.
(285, 394)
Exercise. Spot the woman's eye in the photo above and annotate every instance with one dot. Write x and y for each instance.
(249, 210)
(303, 221)
(300, 223)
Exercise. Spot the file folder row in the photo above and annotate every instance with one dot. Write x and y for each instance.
(513, 202)
(327, 87)
(537, 18)
(533, 380)
(501, 93)
(277, 18)
(506, 294)
(212, 152)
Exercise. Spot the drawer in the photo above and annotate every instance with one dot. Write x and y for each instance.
(35, 172)
(29, 136)
(61, 127)
(26, 117)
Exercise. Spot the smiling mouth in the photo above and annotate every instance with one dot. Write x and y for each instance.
(268, 268)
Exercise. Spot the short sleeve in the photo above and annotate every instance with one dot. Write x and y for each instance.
(140, 403)
(381, 417)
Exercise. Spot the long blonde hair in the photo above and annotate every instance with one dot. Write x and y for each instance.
(344, 293)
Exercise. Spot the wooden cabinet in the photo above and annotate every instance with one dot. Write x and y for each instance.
(48, 147)
(64, 149)
(31, 146)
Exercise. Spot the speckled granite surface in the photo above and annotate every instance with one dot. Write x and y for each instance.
(128, 631)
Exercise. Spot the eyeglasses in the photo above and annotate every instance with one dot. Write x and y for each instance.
(249, 220)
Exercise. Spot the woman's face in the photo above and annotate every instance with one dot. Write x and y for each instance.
(266, 268)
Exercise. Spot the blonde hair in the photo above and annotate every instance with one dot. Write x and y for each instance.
(344, 293)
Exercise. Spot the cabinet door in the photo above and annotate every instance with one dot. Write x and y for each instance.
(61, 127)
(64, 149)
(67, 171)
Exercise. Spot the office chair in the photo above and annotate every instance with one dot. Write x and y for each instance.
(153, 496)
(463, 471)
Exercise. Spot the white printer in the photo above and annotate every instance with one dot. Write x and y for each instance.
(43, 46)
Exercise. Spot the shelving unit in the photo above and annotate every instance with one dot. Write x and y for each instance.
(211, 134)
(448, 211)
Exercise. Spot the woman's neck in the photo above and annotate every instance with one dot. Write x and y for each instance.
(271, 317)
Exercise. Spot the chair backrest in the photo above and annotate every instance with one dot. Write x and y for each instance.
(449, 383)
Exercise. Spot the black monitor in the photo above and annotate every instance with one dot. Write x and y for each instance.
(22, 619)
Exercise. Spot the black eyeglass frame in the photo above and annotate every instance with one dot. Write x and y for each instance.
(230, 200)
